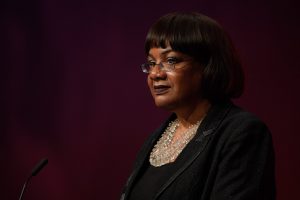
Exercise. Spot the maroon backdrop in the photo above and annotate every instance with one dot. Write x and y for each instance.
(72, 90)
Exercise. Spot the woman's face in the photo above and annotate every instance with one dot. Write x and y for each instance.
(175, 89)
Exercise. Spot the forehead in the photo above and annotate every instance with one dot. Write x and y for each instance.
(161, 52)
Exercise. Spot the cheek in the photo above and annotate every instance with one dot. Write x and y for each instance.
(149, 82)
(187, 85)
(178, 83)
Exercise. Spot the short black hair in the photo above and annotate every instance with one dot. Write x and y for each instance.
(206, 41)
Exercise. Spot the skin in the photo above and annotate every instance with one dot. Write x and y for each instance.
(178, 91)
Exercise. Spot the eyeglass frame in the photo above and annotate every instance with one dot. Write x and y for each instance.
(161, 65)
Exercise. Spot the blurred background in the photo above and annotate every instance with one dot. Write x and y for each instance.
(72, 90)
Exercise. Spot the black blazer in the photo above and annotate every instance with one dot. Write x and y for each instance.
(231, 157)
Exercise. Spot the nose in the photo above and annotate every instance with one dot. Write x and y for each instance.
(156, 73)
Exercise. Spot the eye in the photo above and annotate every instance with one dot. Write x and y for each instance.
(172, 60)
(151, 63)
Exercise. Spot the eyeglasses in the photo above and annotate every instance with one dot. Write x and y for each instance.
(166, 66)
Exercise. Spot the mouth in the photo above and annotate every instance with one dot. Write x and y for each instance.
(160, 89)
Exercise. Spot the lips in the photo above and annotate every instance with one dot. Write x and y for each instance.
(160, 89)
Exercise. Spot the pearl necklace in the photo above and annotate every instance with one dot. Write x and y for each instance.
(166, 150)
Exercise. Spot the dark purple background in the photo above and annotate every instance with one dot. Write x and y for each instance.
(72, 90)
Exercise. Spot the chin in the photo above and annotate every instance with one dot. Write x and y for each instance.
(164, 104)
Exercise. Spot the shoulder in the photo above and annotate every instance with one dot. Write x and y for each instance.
(229, 117)
(243, 128)
(230, 123)
(240, 120)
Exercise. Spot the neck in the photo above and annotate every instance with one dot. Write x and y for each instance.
(193, 113)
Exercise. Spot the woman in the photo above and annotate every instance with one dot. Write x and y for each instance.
(208, 148)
